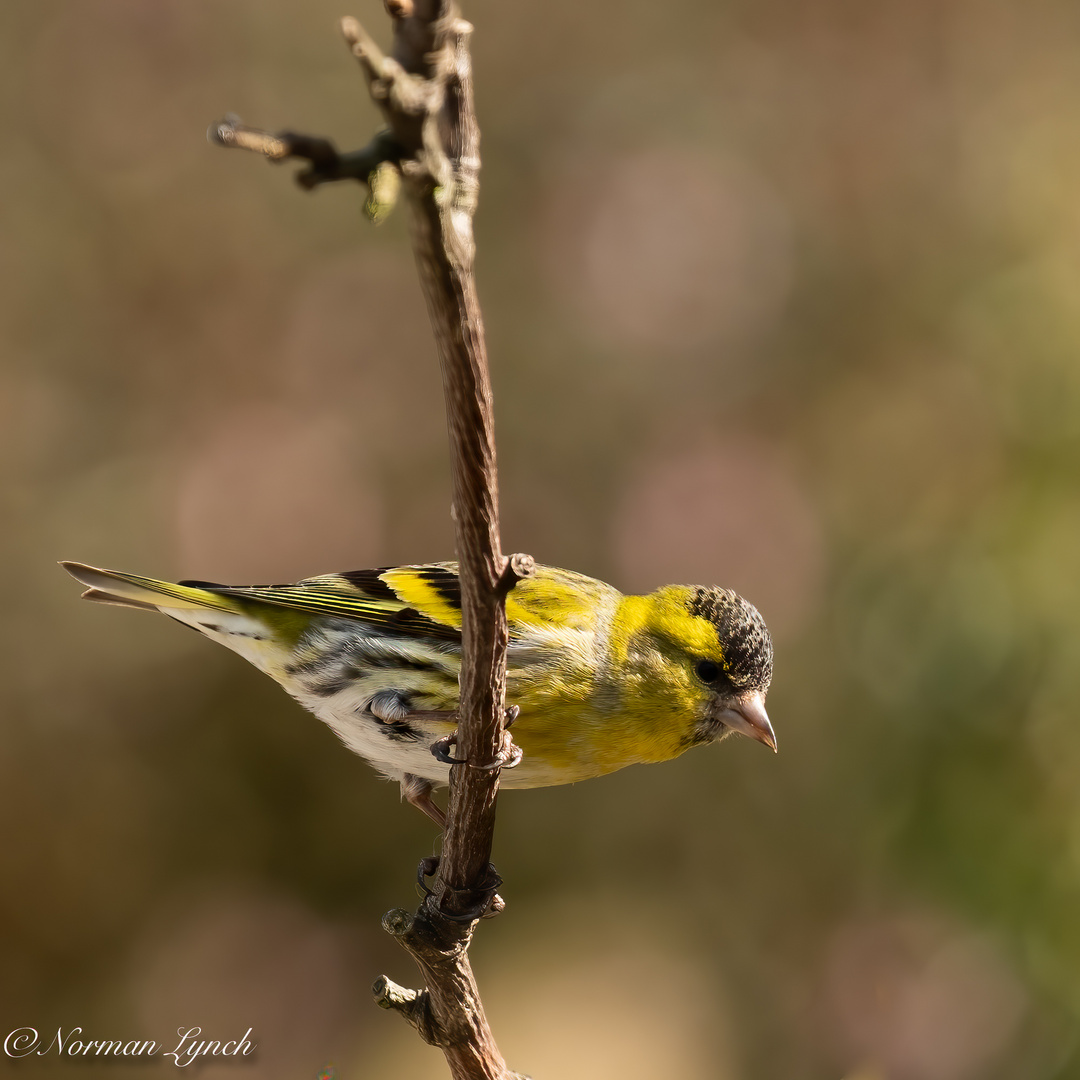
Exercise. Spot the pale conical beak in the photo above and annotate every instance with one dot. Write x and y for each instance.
(748, 717)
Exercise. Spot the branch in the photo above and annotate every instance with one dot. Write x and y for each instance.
(424, 91)
(375, 165)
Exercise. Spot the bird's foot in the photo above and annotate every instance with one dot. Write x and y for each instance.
(440, 749)
(491, 906)
(508, 757)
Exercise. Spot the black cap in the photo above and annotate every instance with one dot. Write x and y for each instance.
(744, 637)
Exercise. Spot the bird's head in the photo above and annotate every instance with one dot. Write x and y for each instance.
(717, 653)
(738, 673)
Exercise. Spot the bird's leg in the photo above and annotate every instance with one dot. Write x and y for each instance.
(417, 792)
(508, 757)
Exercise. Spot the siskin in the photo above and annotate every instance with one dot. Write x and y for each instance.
(601, 680)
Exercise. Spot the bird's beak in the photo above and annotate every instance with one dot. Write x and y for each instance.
(748, 717)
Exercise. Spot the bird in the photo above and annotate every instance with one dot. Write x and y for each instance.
(598, 680)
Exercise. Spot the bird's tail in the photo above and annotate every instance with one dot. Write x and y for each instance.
(130, 590)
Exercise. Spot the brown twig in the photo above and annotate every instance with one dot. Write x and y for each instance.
(424, 90)
(376, 165)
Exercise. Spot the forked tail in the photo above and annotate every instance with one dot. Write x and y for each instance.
(130, 590)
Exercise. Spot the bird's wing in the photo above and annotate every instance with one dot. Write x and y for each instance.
(422, 600)
(410, 600)
(426, 599)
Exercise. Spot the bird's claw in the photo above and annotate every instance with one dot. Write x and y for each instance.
(508, 757)
(492, 906)
(441, 749)
(427, 868)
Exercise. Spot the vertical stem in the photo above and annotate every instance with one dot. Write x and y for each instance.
(425, 93)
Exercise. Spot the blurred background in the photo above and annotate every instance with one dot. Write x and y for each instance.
(780, 296)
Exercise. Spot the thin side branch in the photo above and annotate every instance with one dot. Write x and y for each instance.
(413, 1005)
(376, 165)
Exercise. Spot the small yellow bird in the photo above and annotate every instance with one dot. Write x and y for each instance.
(602, 680)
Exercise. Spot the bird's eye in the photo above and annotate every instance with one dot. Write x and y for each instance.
(707, 671)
